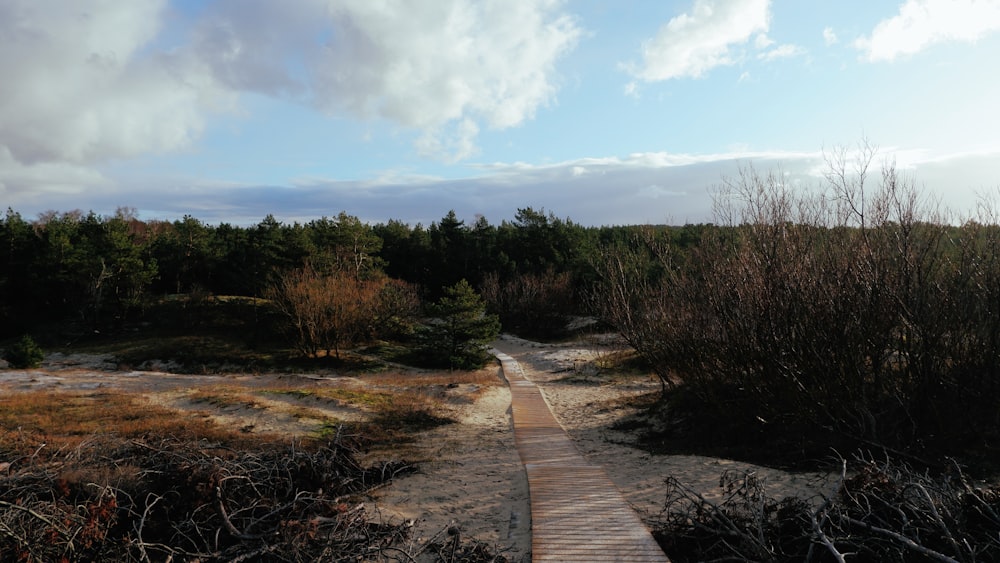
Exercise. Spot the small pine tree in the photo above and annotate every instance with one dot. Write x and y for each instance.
(24, 354)
(461, 330)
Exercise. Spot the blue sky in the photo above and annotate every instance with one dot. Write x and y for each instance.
(605, 112)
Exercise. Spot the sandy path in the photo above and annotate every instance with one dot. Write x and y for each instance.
(470, 476)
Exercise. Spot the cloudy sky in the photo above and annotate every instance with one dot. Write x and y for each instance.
(603, 111)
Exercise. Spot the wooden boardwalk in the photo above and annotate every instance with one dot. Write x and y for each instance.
(577, 514)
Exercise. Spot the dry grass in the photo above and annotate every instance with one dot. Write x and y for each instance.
(434, 386)
(368, 400)
(64, 420)
(224, 396)
(486, 377)
(394, 406)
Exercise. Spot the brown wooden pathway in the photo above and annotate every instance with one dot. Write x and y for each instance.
(577, 514)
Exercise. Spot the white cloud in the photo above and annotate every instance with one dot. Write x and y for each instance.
(691, 44)
(81, 88)
(654, 192)
(763, 41)
(89, 82)
(446, 68)
(922, 23)
(453, 142)
(432, 65)
(41, 184)
(829, 36)
(781, 52)
(261, 46)
(656, 187)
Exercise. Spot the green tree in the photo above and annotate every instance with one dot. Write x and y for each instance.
(237, 266)
(405, 251)
(275, 248)
(450, 252)
(112, 265)
(345, 244)
(97, 267)
(460, 329)
(18, 249)
(25, 353)
(55, 290)
(184, 255)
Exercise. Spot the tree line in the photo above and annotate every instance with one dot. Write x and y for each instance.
(101, 270)
(333, 281)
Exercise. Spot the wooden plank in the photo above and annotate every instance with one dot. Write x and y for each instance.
(577, 514)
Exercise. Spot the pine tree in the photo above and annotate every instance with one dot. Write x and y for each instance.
(460, 331)
(25, 353)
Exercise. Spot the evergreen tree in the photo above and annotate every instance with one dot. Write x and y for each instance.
(24, 354)
(405, 252)
(460, 331)
(345, 244)
(18, 297)
(184, 255)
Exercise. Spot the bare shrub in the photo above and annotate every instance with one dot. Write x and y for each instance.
(192, 501)
(641, 296)
(394, 311)
(329, 310)
(532, 305)
(858, 309)
(877, 510)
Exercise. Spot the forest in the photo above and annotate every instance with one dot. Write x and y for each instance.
(102, 272)
(71, 275)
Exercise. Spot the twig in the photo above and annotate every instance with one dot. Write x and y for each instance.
(937, 518)
(142, 522)
(282, 508)
(827, 502)
(982, 505)
(428, 543)
(220, 507)
(901, 539)
(823, 539)
(405, 554)
(252, 555)
(33, 513)
(454, 542)
(4, 528)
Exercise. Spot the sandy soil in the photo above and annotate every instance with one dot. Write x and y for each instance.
(470, 476)
(473, 475)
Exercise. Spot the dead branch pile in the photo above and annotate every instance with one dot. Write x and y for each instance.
(171, 500)
(884, 512)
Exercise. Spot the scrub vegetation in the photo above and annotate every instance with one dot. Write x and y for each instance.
(860, 316)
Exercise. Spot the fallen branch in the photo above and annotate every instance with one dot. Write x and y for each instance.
(884, 512)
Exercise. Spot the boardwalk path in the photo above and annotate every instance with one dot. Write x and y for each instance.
(577, 514)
